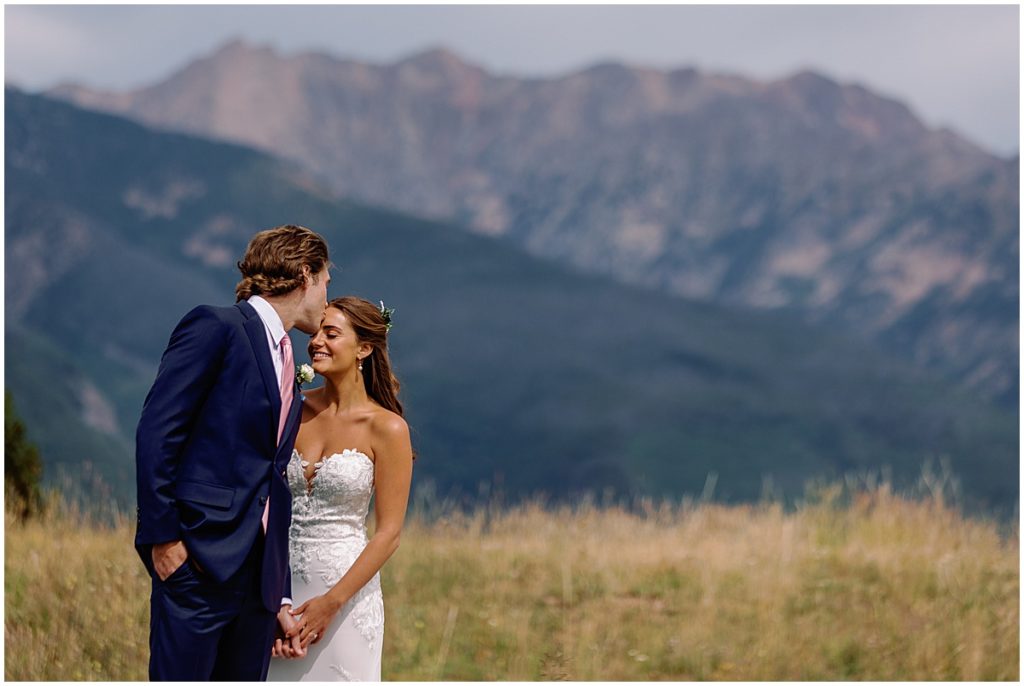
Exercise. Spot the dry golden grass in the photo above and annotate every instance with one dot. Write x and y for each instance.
(883, 589)
(76, 600)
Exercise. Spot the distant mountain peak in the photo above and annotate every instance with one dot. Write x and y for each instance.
(810, 78)
(608, 67)
(850, 105)
(684, 72)
(810, 87)
(240, 46)
(438, 57)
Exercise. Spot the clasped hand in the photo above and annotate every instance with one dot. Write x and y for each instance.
(285, 646)
(314, 616)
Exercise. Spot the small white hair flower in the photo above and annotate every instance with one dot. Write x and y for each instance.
(386, 314)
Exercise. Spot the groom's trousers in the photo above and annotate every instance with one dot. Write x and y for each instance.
(202, 630)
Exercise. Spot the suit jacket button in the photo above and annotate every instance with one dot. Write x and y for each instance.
(263, 500)
(284, 473)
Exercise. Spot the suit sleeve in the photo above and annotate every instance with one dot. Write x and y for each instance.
(188, 369)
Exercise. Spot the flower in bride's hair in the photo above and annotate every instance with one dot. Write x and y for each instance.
(304, 374)
(386, 313)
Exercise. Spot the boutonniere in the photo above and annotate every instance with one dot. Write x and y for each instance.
(304, 374)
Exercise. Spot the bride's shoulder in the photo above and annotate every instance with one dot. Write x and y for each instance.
(388, 424)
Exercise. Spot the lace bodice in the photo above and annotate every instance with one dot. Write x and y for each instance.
(334, 503)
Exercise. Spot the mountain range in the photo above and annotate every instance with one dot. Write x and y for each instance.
(799, 194)
(520, 375)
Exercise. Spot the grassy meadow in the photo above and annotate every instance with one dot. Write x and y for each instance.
(872, 587)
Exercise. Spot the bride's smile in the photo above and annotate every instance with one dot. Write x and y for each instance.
(335, 349)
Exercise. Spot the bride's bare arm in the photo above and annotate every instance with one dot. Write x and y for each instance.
(392, 478)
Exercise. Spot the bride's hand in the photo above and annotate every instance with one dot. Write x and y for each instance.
(283, 646)
(317, 614)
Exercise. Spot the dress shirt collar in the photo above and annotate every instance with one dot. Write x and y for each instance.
(271, 320)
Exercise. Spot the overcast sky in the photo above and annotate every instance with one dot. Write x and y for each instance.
(956, 66)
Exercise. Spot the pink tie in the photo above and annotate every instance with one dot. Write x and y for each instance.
(287, 393)
(287, 383)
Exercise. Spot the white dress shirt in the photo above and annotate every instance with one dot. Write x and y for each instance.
(275, 332)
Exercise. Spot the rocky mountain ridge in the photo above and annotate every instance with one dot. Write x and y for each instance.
(800, 193)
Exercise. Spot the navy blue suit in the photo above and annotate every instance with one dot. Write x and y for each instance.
(208, 457)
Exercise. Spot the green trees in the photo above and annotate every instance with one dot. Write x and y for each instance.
(22, 466)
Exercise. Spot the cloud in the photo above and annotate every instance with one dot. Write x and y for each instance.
(39, 45)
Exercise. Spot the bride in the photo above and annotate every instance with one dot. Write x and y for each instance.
(352, 444)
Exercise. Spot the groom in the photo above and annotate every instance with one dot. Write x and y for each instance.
(216, 433)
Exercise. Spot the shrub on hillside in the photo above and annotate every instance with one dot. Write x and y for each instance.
(22, 467)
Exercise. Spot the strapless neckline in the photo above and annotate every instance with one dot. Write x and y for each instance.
(303, 462)
(346, 451)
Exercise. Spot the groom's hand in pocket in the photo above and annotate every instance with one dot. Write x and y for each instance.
(167, 557)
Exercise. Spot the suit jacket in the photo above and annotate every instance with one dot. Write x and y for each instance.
(207, 455)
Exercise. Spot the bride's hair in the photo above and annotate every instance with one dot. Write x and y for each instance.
(368, 322)
(273, 261)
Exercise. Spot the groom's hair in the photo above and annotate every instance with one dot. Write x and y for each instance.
(272, 264)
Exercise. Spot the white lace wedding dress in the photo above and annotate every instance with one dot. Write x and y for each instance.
(327, 534)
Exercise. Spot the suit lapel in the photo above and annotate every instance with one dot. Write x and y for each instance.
(258, 339)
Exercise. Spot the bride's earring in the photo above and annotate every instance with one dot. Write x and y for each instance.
(360, 363)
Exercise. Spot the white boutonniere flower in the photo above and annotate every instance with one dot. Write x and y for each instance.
(304, 374)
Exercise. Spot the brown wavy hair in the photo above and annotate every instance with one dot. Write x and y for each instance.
(380, 382)
(273, 261)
